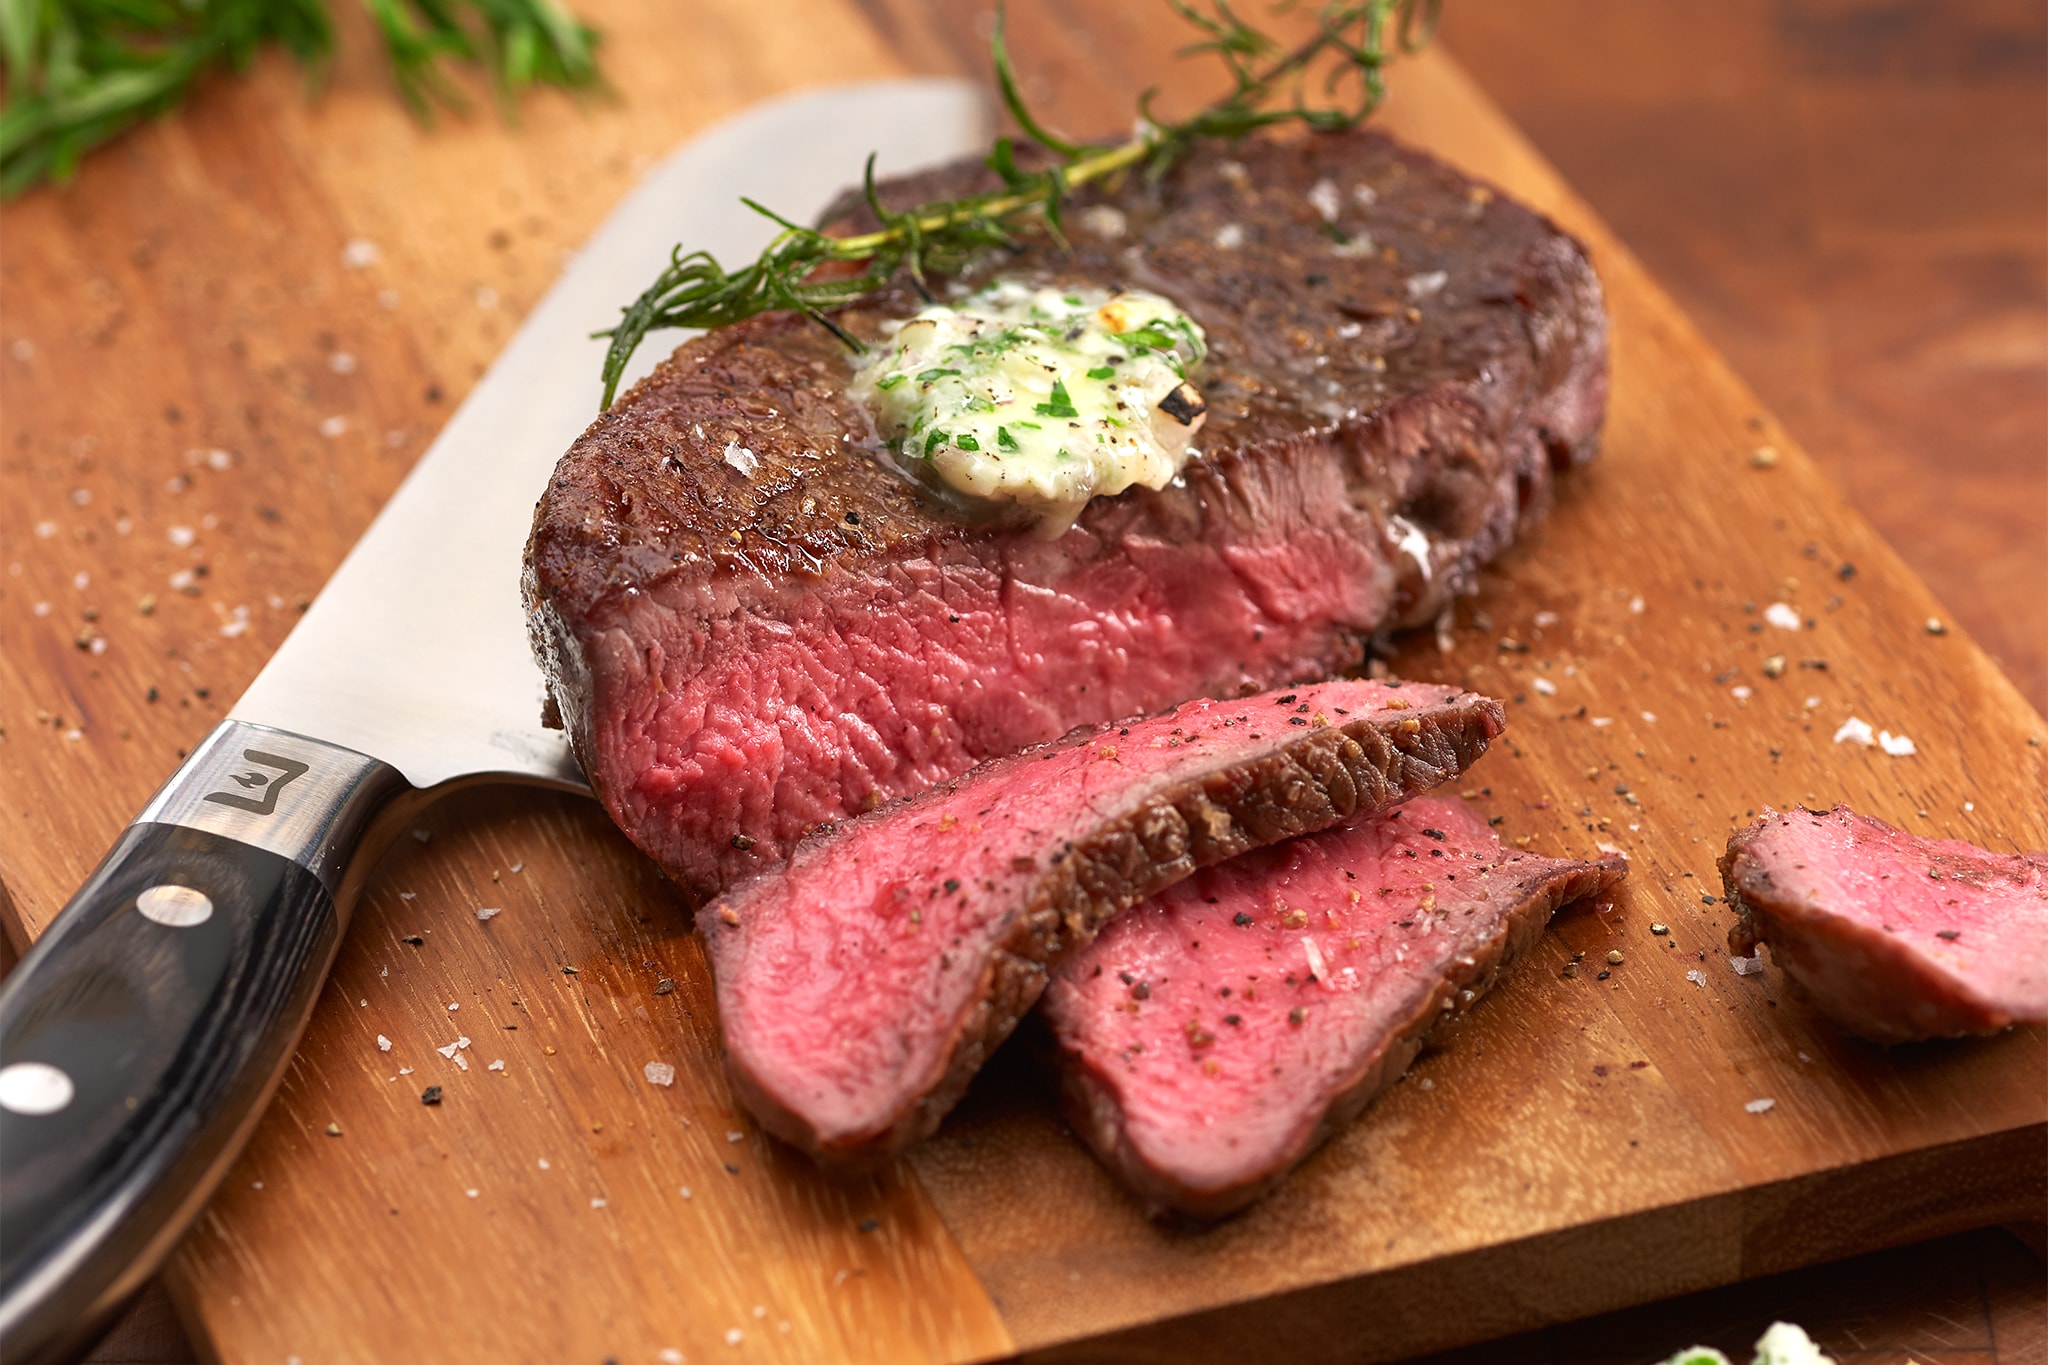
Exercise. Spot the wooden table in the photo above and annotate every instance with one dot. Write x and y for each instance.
(257, 313)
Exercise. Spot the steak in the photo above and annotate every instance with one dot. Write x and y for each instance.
(861, 990)
(1215, 1035)
(751, 620)
(1893, 936)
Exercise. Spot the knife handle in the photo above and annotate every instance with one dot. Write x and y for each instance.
(143, 1034)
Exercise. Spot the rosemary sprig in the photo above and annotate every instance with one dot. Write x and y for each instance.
(1354, 39)
(81, 72)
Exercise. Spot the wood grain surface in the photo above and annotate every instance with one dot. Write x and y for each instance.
(191, 296)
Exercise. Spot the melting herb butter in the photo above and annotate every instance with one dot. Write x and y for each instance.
(1042, 397)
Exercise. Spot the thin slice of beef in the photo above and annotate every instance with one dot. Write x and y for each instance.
(860, 990)
(1217, 1034)
(752, 621)
(1895, 937)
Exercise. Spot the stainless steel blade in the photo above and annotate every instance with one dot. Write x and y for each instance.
(415, 652)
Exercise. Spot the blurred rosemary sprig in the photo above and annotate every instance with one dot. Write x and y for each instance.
(1353, 41)
(79, 72)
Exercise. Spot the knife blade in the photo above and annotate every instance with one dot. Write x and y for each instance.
(143, 1034)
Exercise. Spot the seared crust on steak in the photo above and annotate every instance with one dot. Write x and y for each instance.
(745, 645)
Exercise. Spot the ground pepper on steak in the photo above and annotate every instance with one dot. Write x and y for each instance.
(752, 622)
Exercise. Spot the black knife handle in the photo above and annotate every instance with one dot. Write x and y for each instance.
(142, 1035)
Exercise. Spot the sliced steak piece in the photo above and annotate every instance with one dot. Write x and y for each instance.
(1214, 1036)
(1895, 937)
(861, 989)
(751, 621)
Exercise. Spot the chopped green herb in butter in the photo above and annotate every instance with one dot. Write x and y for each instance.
(1042, 397)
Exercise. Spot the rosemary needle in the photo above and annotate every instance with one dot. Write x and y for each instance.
(1354, 39)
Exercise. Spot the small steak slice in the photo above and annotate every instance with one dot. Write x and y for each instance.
(1214, 1036)
(1895, 937)
(861, 990)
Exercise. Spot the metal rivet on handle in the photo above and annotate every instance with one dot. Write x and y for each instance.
(178, 906)
(34, 1088)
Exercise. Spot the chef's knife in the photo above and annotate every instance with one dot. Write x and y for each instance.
(142, 1035)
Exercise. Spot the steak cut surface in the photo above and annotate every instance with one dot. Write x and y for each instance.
(860, 990)
(1215, 1035)
(1893, 936)
(753, 619)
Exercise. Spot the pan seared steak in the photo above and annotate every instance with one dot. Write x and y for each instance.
(1895, 937)
(1215, 1035)
(859, 991)
(752, 621)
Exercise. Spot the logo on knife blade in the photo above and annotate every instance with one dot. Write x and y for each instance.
(288, 771)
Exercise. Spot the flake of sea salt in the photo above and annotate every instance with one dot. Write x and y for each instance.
(1323, 198)
(1314, 954)
(1649, 717)
(669, 1355)
(544, 1163)
(686, 1191)
(735, 1135)
(734, 1336)
(1782, 615)
(472, 1193)
(383, 1043)
(1602, 722)
(1812, 703)
(450, 1050)
(1545, 686)
(1898, 746)
(1855, 731)
(461, 1062)
(741, 458)
(1760, 1106)
(1429, 282)
(1746, 966)
(1105, 221)
(452, 1007)
(1697, 977)
(659, 1073)
(519, 866)
(180, 536)
(597, 1203)
(333, 426)
(1229, 237)
(498, 1065)
(484, 912)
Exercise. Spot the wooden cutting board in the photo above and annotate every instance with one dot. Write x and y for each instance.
(206, 402)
